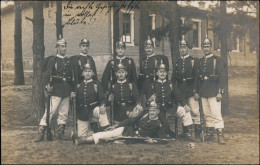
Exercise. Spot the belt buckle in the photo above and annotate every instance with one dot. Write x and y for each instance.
(64, 79)
(123, 104)
(147, 76)
(163, 104)
(184, 79)
(205, 78)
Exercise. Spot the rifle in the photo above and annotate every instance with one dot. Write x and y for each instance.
(202, 121)
(112, 101)
(74, 110)
(49, 135)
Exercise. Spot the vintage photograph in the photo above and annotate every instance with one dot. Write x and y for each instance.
(129, 82)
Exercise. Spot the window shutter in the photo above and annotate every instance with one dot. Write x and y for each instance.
(137, 24)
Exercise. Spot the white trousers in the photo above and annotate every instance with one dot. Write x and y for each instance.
(212, 112)
(195, 110)
(57, 103)
(108, 134)
(186, 119)
(84, 126)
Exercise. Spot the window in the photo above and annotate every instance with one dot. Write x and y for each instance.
(128, 27)
(151, 25)
(196, 33)
(235, 43)
(46, 4)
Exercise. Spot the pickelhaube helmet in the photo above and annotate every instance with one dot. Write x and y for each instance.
(161, 65)
(120, 44)
(183, 42)
(148, 42)
(153, 105)
(84, 41)
(120, 66)
(206, 42)
(88, 65)
(61, 41)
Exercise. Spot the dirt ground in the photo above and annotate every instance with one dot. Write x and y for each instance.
(241, 133)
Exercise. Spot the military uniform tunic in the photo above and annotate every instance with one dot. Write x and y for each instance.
(110, 69)
(125, 98)
(77, 62)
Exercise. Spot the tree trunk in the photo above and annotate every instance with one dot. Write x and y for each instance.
(18, 58)
(59, 30)
(224, 52)
(116, 36)
(174, 18)
(38, 57)
(143, 30)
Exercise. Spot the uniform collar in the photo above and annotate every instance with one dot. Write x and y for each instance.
(88, 81)
(60, 56)
(153, 119)
(120, 58)
(82, 54)
(121, 82)
(162, 81)
(148, 56)
(186, 56)
(208, 56)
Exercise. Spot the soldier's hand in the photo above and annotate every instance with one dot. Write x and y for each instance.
(196, 96)
(49, 88)
(152, 98)
(102, 109)
(73, 94)
(111, 97)
(180, 112)
(111, 128)
(219, 97)
(187, 108)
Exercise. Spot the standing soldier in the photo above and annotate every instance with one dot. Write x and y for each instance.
(90, 102)
(120, 58)
(183, 75)
(78, 61)
(57, 81)
(148, 68)
(125, 96)
(211, 74)
(168, 97)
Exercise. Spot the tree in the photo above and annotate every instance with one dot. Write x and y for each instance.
(38, 57)
(18, 58)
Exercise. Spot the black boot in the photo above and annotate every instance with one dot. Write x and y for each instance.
(209, 134)
(94, 126)
(220, 133)
(187, 133)
(198, 130)
(41, 132)
(61, 129)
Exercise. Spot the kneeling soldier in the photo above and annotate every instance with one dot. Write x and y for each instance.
(147, 124)
(211, 75)
(90, 102)
(57, 81)
(125, 96)
(184, 74)
(167, 95)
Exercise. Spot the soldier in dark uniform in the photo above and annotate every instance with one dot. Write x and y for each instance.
(57, 82)
(211, 75)
(168, 97)
(78, 61)
(148, 69)
(90, 102)
(183, 75)
(147, 124)
(120, 58)
(124, 95)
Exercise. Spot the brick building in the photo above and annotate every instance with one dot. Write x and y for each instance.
(97, 27)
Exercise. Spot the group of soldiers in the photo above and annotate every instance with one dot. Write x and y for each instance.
(141, 105)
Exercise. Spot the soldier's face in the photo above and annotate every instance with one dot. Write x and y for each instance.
(84, 48)
(87, 73)
(153, 113)
(62, 49)
(161, 73)
(121, 74)
(207, 49)
(183, 50)
(148, 49)
(120, 51)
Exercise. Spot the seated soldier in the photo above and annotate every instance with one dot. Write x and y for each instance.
(147, 123)
(165, 93)
(125, 96)
(90, 103)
